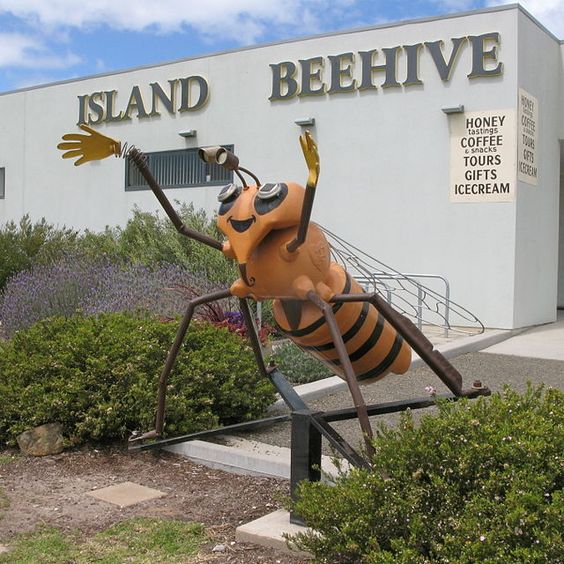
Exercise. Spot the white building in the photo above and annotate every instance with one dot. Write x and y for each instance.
(440, 145)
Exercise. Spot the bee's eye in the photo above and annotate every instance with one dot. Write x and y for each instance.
(268, 191)
(227, 198)
(229, 191)
(269, 197)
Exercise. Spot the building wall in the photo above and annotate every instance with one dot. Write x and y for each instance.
(560, 299)
(560, 113)
(384, 181)
(536, 250)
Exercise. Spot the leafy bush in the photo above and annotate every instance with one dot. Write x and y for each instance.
(95, 285)
(298, 366)
(150, 238)
(25, 243)
(480, 482)
(98, 377)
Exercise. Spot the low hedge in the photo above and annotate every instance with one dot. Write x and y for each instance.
(297, 365)
(480, 482)
(98, 377)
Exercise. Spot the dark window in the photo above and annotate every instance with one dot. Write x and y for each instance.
(178, 169)
(2, 182)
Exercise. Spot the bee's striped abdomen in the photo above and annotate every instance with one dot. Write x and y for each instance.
(373, 345)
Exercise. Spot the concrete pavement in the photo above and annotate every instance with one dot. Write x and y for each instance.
(543, 341)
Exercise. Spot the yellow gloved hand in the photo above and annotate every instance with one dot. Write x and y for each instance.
(311, 155)
(91, 147)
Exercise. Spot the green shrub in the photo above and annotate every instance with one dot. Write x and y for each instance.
(23, 244)
(151, 238)
(98, 377)
(298, 366)
(480, 482)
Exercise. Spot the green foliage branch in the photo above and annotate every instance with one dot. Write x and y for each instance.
(479, 482)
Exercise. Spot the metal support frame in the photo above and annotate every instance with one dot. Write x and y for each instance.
(309, 427)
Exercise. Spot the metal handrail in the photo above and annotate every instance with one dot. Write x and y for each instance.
(367, 281)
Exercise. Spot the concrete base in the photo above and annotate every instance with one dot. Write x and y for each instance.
(242, 456)
(270, 530)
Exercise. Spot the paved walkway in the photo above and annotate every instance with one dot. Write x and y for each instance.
(544, 364)
(536, 356)
(544, 341)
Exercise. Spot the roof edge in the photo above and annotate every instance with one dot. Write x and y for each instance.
(386, 25)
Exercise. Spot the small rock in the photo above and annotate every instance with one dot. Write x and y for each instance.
(42, 441)
(4, 549)
(219, 548)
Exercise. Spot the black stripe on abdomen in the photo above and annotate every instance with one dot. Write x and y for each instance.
(368, 345)
(319, 322)
(357, 326)
(386, 363)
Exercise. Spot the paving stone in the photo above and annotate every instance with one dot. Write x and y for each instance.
(126, 494)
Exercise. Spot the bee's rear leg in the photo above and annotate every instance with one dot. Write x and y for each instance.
(350, 376)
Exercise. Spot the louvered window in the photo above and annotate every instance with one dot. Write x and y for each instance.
(177, 169)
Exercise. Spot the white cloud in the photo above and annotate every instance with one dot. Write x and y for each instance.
(550, 13)
(245, 20)
(15, 47)
(23, 51)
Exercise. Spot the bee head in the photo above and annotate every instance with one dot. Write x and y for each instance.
(248, 214)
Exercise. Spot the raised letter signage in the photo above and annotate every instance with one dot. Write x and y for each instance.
(388, 67)
(182, 95)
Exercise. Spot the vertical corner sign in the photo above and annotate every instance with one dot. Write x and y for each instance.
(482, 156)
(527, 138)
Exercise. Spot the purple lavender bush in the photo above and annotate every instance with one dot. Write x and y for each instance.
(93, 285)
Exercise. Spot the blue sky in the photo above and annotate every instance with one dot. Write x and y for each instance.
(45, 41)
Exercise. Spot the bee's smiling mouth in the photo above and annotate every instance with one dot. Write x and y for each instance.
(241, 225)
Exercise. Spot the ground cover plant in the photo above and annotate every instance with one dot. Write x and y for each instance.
(479, 482)
(298, 366)
(141, 540)
(97, 376)
(94, 285)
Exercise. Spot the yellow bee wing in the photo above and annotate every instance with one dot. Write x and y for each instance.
(91, 147)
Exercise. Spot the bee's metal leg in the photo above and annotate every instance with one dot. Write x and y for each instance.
(350, 376)
(253, 336)
(286, 390)
(418, 342)
(171, 357)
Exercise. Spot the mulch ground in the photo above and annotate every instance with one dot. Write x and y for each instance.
(52, 491)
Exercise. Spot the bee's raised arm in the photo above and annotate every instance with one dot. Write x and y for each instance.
(95, 146)
(311, 155)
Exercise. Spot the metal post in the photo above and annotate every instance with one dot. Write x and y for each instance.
(305, 461)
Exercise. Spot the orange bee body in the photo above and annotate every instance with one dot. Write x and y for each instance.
(284, 257)
(259, 222)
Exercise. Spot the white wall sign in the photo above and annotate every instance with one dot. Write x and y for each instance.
(482, 156)
(527, 138)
